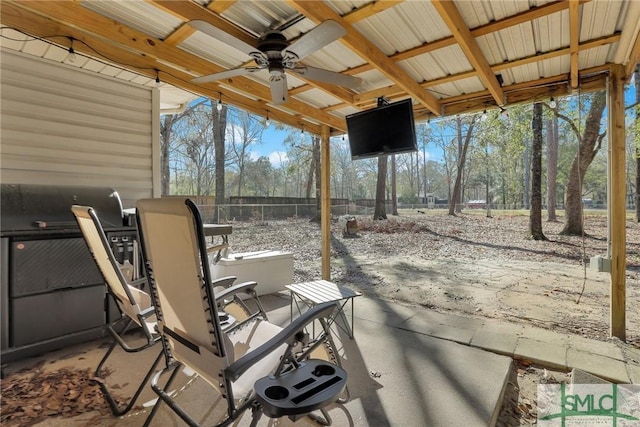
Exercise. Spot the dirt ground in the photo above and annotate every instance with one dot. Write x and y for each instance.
(469, 264)
(472, 265)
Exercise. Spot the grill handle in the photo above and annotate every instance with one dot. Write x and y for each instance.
(54, 224)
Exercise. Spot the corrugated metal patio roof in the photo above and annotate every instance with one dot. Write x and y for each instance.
(450, 57)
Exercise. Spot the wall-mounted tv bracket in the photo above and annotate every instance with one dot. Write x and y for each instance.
(383, 101)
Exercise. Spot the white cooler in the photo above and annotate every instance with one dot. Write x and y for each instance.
(271, 269)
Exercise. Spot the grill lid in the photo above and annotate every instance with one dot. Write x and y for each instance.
(38, 208)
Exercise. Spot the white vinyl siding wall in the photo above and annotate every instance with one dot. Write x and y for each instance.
(61, 125)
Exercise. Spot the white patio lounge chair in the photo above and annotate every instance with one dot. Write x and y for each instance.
(134, 304)
(252, 363)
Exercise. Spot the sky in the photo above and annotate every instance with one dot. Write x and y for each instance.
(271, 146)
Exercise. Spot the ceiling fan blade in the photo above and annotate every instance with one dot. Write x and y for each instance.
(327, 76)
(218, 34)
(279, 91)
(225, 74)
(325, 33)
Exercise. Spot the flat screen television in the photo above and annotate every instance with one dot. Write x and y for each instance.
(388, 129)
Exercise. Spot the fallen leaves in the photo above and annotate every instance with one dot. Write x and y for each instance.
(31, 396)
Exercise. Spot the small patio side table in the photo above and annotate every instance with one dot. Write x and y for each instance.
(322, 291)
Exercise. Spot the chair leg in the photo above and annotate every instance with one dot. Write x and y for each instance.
(115, 409)
(326, 421)
(163, 396)
(256, 414)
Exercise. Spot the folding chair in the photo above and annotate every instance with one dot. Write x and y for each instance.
(252, 363)
(134, 304)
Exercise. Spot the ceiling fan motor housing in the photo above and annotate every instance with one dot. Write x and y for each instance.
(272, 42)
(272, 45)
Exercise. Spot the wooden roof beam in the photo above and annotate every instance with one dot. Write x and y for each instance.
(369, 9)
(185, 31)
(364, 99)
(634, 59)
(451, 16)
(593, 79)
(528, 15)
(219, 6)
(319, 11)
(574, 39)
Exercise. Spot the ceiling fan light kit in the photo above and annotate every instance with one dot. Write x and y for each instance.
(278, 56)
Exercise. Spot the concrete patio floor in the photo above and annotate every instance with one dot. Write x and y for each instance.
(407, 367)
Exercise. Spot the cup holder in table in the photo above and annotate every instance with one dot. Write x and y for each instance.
(276, 392)
(311, 386)
(322, 370)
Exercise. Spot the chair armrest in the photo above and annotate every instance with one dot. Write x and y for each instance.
(236, 369)
(240, 288)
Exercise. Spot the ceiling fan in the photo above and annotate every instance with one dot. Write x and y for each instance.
(277, 55)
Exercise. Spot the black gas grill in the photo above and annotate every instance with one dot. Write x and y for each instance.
(52, 293)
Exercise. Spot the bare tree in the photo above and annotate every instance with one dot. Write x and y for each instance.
(637, 78)
(247, 130)
(590, 143)
(552, 165)
(315, 170)
(535, 213)
(379, 211)
(166, 131)
(463, 146)
(394, 192)
(166, 136)
(219, 119)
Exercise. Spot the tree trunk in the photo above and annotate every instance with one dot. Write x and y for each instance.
(589, 146)
(455, 202)
(316, 169)
(312, 168)
(380, 211)
(394, 193)
(166, 128)
(527, 175)
(219, 133)
(637, 77)
(535, 214)
(552, 166)
(424, 170)
(457, 195)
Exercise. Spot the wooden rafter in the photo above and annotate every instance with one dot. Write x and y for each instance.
(451, 16)
(219, 6)
(185, 31)
(363, 99)
(319, 11)
(369, 9)
(634, 58)
(574, 39)
(528, 15)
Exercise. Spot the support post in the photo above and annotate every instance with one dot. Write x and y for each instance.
(325, 202)
(616, 205)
